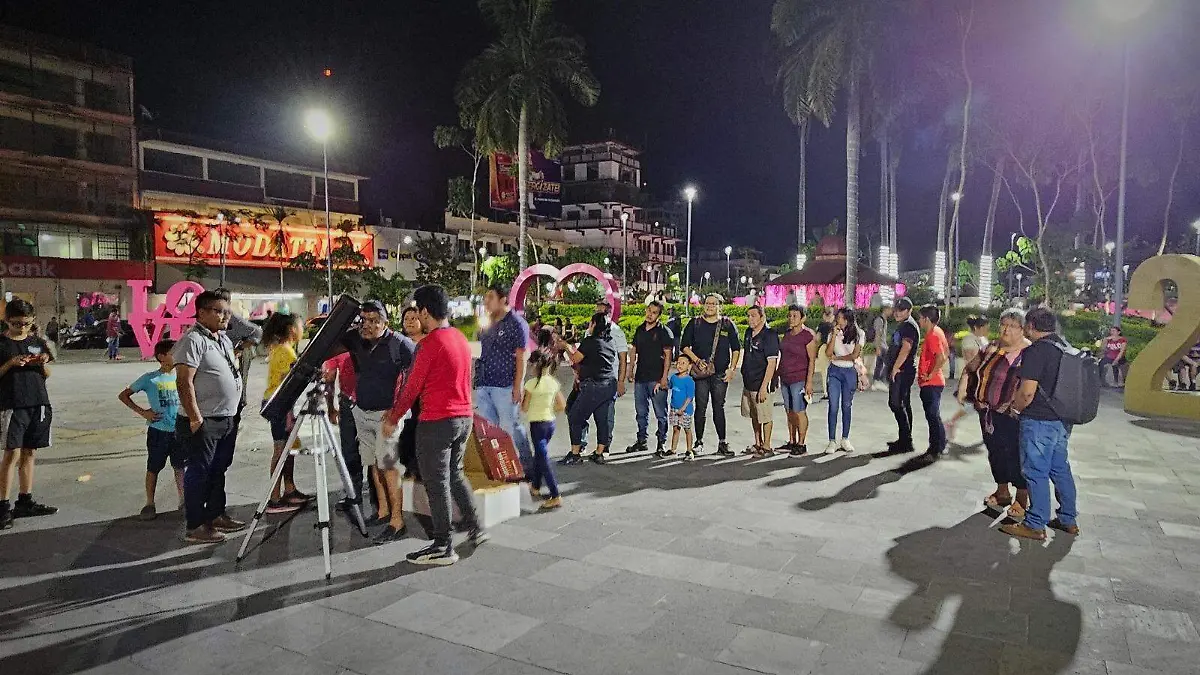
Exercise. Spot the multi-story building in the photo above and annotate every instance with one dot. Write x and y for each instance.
(188, 182)
(67, 175)
(395, 248)
(495, 238)
(741, 263)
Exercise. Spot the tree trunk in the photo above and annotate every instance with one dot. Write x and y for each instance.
(990, 223)
(884, 200)
(282, 258)
(853, 138)
(893, 166)
(942, 213)
(1162, 245)
(475, 254)
(802, 224)
(962, 156)
(523, 182)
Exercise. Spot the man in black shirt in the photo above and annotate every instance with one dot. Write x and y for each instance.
(24, 409)
(758, 369)
(1044, 435)
(902, 348)
(650, 361)
(712, 338)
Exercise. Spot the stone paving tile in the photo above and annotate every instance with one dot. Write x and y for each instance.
(422, 611)
(483, 628)
(615, 616)
(838, 660)
(368, 648)
(566, 546)
(860, 633)
(436, 657)
(688, 633)
(830, 595)
(302, 631)
(771, 652)
(779, 616)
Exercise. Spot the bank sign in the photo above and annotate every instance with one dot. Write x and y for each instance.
(181, 240)
(33, 267)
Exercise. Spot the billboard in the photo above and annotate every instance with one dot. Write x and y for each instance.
(179, 239)
(545, 184)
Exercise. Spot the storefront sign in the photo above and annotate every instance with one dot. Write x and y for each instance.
(544, 184)
(32, 267)
(180, 240)
(177, 313)
(390, 254)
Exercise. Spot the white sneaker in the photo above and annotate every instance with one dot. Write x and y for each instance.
(832, 447)
(846, 446)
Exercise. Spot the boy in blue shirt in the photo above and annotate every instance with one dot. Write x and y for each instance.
(161, 443)
(681, 406)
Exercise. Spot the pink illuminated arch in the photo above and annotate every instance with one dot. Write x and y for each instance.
(530, 274)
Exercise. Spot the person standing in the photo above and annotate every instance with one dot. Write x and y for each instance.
(25, 412)
(380, 357)
(596, 361)
(649, 366)
(340, 381)
(761, 345)
(245, 336)
(1044, 435)
(935, 352)
(210, 388)
(798, 352)
(711, 339)
(542, 403)
(112, 334)
(161, 442)
(845, 347)
(410, 324)
(501, 369)
(974, 343)
(880, 339)
(441, 378)
(682, 403)
(281, 335)
(901, 352)
(675, 325)
(52, 329)
(1113, 354)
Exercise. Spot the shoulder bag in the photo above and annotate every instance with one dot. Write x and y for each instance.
(708, 368)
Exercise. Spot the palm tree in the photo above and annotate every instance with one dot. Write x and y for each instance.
(279, 237)
(827, 45)
(510, 94)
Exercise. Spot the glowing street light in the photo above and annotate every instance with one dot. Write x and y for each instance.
(320, 127)
(729, 250)
(408, 240)
(689, 193)
(956, 196)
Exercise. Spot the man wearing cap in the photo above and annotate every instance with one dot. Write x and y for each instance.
(380, 358)
(901, 350)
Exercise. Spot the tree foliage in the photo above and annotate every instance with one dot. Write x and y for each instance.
(437, 263)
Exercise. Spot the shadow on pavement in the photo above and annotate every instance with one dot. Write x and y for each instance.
(1187, 428)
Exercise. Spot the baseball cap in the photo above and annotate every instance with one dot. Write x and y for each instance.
(904, 303)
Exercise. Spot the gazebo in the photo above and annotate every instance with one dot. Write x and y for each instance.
(826, 276)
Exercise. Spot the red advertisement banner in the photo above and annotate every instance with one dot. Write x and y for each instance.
(179, 239)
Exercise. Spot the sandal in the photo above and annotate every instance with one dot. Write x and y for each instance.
(750, 450)
(761, 452)
(1016, 512)
(296, 497)
(993, 503)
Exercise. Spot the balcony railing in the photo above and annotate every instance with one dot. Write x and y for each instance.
(615, 224)
(252, 194)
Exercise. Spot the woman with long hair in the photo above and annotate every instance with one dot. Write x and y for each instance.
(596, 357)
(845, 345)
(541, 403)
(281, 334)
(410, 326)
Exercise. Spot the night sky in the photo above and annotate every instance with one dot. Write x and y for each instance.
(690, 81)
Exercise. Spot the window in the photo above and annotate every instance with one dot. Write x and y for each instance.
(464, 248)
(16, 133)
(231, 172)
(112, 246)
(18, 243)
(508, 248)
(338, 189)
(54, 87)
(490, 248)
(295, 187)
(593, 214)
(54, 141)
(100, 96)
(17, 79)
(173, 163)
(108, 145)
(593, 171)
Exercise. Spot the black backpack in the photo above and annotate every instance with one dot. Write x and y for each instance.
(1076, 395)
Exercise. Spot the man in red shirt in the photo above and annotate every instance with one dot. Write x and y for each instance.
(441, 378)
(935, 352)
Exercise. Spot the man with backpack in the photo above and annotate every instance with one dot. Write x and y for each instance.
(1053, 397)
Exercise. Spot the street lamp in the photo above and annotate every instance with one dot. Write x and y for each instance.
(729, 250)
(624, 248)
(408, 240)
(320, 127)
(689, 193)
(955, 196)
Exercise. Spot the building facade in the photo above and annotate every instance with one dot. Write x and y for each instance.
(495, 238)
(395, 248)
(67, 176)
(189, 184)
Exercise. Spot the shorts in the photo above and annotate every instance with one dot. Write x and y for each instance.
(25, 428)
(375, 449)
(161, 446)
(793, 397)
(680, 420)
(759, 412)
(281, 427)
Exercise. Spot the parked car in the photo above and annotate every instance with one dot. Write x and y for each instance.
(93, 337)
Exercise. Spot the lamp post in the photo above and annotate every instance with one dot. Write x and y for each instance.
(221, 244)
(690, 194)
(320, 127)
(624, 250)
(729, 250)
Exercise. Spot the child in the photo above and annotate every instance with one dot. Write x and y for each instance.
(161, 444)
(281, 334)
(681, 406)
(25, 412)
(542, 403)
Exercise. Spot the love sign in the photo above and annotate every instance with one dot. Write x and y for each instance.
(176, 314)
(523, 281)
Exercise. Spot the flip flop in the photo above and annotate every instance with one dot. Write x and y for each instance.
(995, 504)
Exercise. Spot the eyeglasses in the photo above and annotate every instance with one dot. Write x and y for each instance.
(13, 322)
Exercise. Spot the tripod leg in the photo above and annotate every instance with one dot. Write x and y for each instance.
(275, 477)
(323, 504)
(347, 481)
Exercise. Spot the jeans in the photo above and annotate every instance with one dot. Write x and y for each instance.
(643, 396)
(594, 400)
(441, 446)
(348, 435)
(1116, 369)
(209, 455)
(793, 397)
(540, 433)
(841, 384)
(495, 404)
(1044, 461)
(900, 403)
(713, 388)
(931, 402)
(113, 346)
(881, 371)
(1002, 438)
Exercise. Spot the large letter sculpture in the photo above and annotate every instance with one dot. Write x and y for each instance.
(177, 313)
(521, 284)
(1144, 394)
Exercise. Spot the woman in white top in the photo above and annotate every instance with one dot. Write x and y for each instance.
(844, 347)
(972, 345)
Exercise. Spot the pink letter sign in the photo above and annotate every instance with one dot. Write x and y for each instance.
(175, 314)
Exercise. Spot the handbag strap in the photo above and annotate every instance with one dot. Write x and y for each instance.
(716, 338)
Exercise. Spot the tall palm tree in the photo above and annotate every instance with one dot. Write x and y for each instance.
(827, 45)
(510, 94)
(279, 237)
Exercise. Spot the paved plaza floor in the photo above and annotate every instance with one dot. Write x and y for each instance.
(823, 564)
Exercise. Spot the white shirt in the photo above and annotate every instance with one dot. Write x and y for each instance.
(618, 337)
(840, 348)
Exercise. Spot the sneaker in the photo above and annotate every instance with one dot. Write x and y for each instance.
(598, 458)
(30, 509)
(281, 506)
(478, 536)
(1023, 531)
(203, 535)
(551, 504)
(723, 449)
(6, 519)
(698, 446)
(786, 447)
(639, 446)
(388, 535)
(690, 456)
(433, 554)
(846, 445)
(798, 450)
(148, 512)
(1069, 529)
(895, 448)
(223, 523)
(375, 520)
(832, 447)
(571, 458)
(662, 446)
